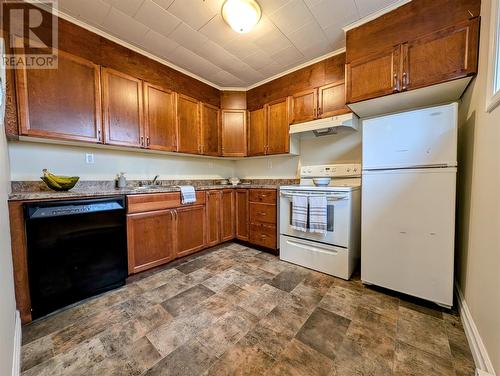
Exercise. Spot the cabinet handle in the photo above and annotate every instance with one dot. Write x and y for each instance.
(314, 112)
(405, 81)
(142, 140)
(396, 82)
(319, 111)
(263, 214)
(99, 135)
(148, 141)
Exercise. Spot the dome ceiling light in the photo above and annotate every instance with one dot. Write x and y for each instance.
(241, 15)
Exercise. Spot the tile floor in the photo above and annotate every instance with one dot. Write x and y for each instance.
(237, 311)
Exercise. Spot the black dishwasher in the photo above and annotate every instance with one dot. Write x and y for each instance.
(76, 249)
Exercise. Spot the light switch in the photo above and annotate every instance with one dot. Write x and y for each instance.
(89, 158)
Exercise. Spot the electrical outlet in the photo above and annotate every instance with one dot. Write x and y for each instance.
(89, 158)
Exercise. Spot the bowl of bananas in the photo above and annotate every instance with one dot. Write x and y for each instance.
(59, 183)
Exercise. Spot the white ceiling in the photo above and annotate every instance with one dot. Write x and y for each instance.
(192, 35)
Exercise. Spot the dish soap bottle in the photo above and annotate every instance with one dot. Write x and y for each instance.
(122, 180)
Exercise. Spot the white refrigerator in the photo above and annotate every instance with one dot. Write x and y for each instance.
(408, 202)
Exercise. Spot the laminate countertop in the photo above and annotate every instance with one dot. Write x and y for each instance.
(30, 192)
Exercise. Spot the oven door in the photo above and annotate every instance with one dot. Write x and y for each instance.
(338, 212)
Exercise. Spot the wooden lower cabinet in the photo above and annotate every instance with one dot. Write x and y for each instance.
(220, 216)
(191, 229)
(227, 215)
(151, 239)
(213, 218)
(262, 216)
(241, 214)
(263, 235)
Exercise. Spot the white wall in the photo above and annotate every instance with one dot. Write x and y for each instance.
(341, 148)
(27, 159)
(478, 216)
(7, 300)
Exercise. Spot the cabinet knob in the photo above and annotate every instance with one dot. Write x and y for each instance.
(405, 81)
(396, 82)
(263, 214)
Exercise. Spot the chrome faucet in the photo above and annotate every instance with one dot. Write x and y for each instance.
(153, 182)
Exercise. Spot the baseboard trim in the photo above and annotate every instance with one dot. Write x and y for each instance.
(479, 352)
(16, 357)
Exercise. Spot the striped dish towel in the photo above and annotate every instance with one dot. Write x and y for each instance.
(299, 213)
(317, 214)
(188, 195)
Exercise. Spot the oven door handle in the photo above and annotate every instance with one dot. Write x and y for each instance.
(331, 197)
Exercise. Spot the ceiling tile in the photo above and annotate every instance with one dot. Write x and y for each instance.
(218, 31)
(194, 63)
(336, 36)
(93, 12)
(188, 37)
(159, 44)
(367, 7)
(129, 7)
(270, 6)
(217, 54)
(258, 60)
(224, 78)
(241, 47)
(273, 41)
(124, 27)
(271, 69)
(157, 18)
(333, 12)
(292, 16)
(308, 34)
(287, 56)
(195, 13)
(165, 4)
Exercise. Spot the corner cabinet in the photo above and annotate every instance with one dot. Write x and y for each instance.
(234, 133)
(444, 55)
(191, 229)
(62, 103)
(122, 109)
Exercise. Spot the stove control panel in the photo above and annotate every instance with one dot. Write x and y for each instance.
(334, 170)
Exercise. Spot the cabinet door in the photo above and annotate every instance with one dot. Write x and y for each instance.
(278, 137)
(213, 208)
(257, 132)
(241, 214)
(188, 123)
(210, 129)
(331, 100)
(123, 116)
(374, 76)
(234, 133)
(159, 118)
(227, 215)
(303, 106)
(191, 228)
(151, 239)
(63, 103)
(445, 55)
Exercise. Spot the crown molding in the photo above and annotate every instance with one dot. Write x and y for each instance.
(151, 56)
(377, 14)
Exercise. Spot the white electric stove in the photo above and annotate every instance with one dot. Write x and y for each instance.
(338, 251)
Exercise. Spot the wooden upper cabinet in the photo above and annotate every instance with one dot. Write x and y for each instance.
(210, 130)
(122, 109)
(160, 118)
(441, 56)
(257, 132)
(303, 106)
(278, 127)
(234, 133)
(227, 214)
(62, 103)
(188, 124)
(374, 76)
(191, 229)
(151, 239)
(331, 100)
(241, 214)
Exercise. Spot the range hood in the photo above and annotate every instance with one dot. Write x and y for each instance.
(326, 126)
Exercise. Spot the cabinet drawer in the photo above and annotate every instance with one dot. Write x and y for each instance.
(263, 235)
(158, 201)
(266, 196)
(262, 213)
